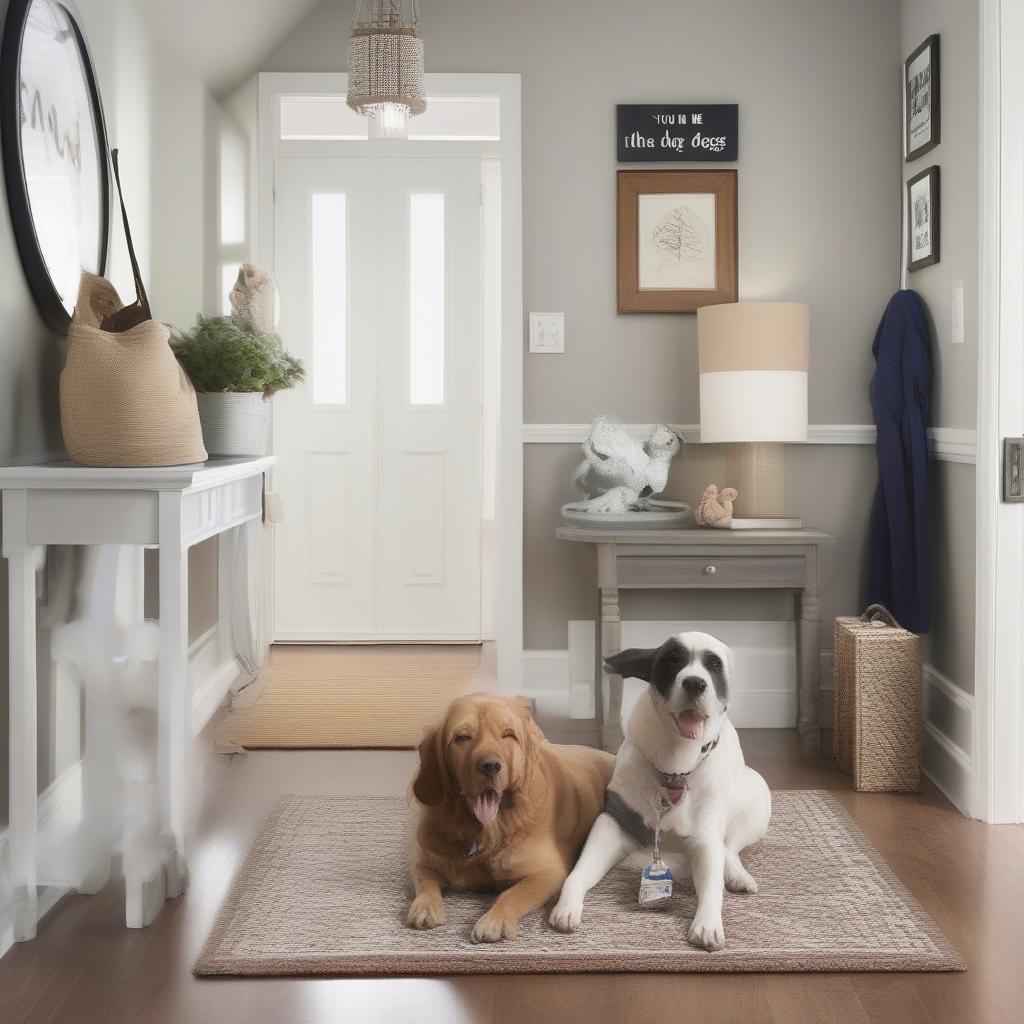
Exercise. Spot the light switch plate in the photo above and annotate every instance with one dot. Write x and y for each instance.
(957, 313)
(547, 332)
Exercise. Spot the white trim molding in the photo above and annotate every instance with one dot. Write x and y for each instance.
(947, 444)
(943, 758)
(998, 720)
(58, 810)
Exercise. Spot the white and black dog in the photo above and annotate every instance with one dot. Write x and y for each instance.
(682, 750)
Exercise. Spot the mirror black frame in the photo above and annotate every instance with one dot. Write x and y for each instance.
(43, 290)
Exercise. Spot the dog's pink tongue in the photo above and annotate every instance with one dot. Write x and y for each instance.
(690, 725)
(485, 806)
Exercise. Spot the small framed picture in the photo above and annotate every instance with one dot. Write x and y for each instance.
(677, 247)
(923, 219)
(921, 103)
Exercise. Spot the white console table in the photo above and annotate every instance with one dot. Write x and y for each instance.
(171, 508)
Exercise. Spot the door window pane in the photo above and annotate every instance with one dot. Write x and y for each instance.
(330, 287)
(426, 299)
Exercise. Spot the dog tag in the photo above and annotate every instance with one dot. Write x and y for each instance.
(656, 880)
(655, 885)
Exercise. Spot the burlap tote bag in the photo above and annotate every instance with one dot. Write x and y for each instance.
(124, 398)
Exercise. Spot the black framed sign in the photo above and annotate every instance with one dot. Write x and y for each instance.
(922, 115)
(923, 206)
(54, 152)
(681, 132)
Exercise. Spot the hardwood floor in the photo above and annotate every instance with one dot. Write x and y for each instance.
(85, 967)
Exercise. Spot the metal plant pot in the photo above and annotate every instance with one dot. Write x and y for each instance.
(234, 422)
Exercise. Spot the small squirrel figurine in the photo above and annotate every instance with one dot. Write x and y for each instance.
(714, 508)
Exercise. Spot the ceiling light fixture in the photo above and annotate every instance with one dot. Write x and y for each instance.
(385, 66)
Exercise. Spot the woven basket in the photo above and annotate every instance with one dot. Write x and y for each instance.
(124, 399)
(877, 703)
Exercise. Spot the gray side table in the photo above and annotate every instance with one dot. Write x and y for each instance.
(694, 559)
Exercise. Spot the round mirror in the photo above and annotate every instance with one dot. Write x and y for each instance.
(54, 152)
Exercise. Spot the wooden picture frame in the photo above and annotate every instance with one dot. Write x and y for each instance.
(677, 240)
(922, 120)
(923, 218)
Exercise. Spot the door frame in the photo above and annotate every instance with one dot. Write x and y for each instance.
(508, 568)
(997, 792)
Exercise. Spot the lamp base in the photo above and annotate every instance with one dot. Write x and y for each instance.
(757, 471)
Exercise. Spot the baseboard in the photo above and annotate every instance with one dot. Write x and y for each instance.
(212, 692)
(58, 805)
(947, 713)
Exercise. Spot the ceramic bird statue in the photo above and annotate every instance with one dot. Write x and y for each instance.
(714, 507)
(254, 297)
(618, 473)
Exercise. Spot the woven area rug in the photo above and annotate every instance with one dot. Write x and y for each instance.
(324, 890)
(351, 697)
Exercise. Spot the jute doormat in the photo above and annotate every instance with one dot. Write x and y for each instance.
(324, 890)
(351, 697)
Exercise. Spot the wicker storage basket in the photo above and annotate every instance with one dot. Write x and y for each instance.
(877, 708)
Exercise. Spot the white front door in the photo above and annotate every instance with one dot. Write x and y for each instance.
(378, 265)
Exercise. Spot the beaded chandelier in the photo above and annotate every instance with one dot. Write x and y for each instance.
(385, 66)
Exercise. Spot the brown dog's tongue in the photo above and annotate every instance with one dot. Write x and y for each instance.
(690, 725)
(485, 806)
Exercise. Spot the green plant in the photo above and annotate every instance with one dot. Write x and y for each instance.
(227, 353)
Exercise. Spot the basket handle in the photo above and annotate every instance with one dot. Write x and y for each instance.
(878, 613)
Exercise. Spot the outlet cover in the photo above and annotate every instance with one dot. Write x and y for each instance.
(547, 332)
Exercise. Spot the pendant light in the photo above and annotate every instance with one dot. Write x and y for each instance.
(385, 66)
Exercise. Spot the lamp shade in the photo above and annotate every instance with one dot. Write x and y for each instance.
(753, 371)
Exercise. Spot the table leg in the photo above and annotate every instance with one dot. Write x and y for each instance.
(21, 576)
(808, 722)
(175, 698)
(611, 643)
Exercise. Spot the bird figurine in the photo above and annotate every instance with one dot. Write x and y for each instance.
(715, 508)
(618, 473)
(254, 297)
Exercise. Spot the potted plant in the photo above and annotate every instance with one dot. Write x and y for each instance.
(235, 367)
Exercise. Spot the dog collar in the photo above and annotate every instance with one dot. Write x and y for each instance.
(675, 783)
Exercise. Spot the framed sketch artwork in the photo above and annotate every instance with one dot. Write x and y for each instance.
(923, 219)
(54, 152)
(921, 114)
(676, 240)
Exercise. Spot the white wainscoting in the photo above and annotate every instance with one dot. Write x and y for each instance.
(763, 691)
(947, 444)
(948, 721)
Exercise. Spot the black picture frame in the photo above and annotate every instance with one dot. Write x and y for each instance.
(33, 262)
(931, 175)
(917, 148)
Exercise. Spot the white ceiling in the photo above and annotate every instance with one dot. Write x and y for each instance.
(227, 40)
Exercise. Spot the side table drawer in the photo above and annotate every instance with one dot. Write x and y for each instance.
(667, 571)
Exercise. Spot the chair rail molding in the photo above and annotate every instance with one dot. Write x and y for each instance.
(947, 444)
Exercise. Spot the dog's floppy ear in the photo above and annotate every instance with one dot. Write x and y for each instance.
(431, 783)
(634, 663)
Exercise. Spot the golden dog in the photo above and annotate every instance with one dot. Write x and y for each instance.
(504, 809)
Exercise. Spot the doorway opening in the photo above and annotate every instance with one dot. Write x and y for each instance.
(399, 459)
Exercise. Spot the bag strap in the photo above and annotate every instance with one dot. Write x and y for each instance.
(878, 613)
(137, 312)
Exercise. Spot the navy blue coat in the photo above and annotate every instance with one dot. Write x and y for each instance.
(899, 568)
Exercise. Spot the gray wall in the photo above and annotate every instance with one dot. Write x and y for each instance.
(819, 221)
(954, 393)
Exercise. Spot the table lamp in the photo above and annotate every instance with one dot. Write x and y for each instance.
(753, 396)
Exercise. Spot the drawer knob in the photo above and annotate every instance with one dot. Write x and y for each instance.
(710, 570)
